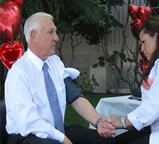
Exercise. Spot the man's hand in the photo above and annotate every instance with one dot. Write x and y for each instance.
(105, 129)
(66, 140)
(114, 120)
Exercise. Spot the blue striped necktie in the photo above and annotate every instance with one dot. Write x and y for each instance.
(53, 100)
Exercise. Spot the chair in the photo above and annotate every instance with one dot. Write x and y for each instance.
(3, 133)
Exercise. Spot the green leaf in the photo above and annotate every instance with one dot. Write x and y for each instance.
(101, 58)
(130, 60)
(75, 22)
(115, 52)
(122, 56)
(102, 63)
(2, 1)
(64, 27)
(95, 65)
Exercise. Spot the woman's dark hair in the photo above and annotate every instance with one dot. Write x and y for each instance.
(150, 27)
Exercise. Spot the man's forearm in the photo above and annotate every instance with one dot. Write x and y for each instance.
(86, 110)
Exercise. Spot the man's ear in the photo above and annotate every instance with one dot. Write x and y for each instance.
(33, 35)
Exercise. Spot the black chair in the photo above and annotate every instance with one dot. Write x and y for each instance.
(3, 133)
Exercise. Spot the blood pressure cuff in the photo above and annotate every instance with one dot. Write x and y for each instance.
(72, 92)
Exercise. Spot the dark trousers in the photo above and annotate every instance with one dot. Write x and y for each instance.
(77, 134)
(134, 137)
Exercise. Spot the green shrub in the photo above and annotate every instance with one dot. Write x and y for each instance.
(85, 84)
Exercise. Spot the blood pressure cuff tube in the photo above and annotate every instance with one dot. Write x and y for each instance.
(72, 91)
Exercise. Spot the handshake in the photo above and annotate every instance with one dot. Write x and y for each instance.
(107, 125)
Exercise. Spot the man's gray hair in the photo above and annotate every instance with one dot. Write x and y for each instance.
(32, 23)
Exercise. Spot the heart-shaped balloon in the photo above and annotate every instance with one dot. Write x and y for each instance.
(144, 13)
(148, 12)
(143, 64)
(139, 14)
(9, 53)
(135, 26)
(133, 11)
(10, 20)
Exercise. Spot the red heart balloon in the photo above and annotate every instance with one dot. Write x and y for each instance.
(135, 26)
(143, 64)
(139, 14)
(133, 11)
(148, 12)
(144, 13)
(10, 53)
(10, 20)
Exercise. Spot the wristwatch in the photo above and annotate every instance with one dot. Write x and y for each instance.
(122, 119)
(97, 122)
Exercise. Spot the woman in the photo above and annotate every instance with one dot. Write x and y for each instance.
(143, 122)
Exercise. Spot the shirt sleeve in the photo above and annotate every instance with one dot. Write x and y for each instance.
(22, 111)
(72, 92)
(147, 112)
(71, 72)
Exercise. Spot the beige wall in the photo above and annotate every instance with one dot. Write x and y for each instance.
(85, 54)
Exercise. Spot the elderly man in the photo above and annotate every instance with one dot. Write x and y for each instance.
(37, 88)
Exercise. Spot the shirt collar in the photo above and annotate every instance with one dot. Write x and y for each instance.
(35, 60)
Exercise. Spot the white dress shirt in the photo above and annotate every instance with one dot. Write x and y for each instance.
(148, 112)
(28, 109)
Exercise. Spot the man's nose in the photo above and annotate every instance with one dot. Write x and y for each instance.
(55, 37)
